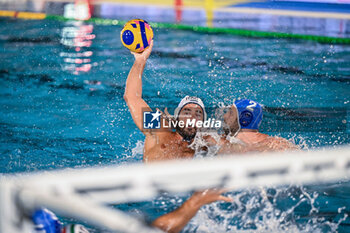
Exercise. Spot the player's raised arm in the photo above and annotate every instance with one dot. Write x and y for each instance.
(133, 89)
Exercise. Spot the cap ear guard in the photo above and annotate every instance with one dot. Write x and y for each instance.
(245, 118)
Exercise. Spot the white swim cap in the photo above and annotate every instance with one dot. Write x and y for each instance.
(190, 100)
(74, 228)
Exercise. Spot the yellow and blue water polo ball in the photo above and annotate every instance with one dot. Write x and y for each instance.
(136, 35)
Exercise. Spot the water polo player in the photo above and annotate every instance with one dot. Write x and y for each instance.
(161, 144)
(46, 221)
(250, 115)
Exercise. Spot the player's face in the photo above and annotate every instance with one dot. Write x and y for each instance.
(191, 112)
(231, 120)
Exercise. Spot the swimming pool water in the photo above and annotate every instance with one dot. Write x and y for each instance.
(61, 94)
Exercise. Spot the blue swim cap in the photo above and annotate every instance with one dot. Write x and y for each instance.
(46, 221)
(250, 113)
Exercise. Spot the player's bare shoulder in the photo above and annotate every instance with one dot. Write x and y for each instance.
(280, 144)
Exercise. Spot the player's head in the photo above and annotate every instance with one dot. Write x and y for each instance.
(250, 114)
(190, 108)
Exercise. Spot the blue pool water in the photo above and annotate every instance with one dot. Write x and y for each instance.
(61, 94)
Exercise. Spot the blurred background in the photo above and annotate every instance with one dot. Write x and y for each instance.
(312, 17)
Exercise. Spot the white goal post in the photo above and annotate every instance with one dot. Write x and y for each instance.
(84, 193)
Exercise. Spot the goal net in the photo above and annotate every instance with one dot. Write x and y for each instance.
(85, 194)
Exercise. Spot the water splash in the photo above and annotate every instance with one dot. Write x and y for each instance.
(271, 210)
(138, 149)
(300, 141)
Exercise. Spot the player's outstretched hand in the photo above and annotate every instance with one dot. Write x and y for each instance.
(145, 54)
(208, 196)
